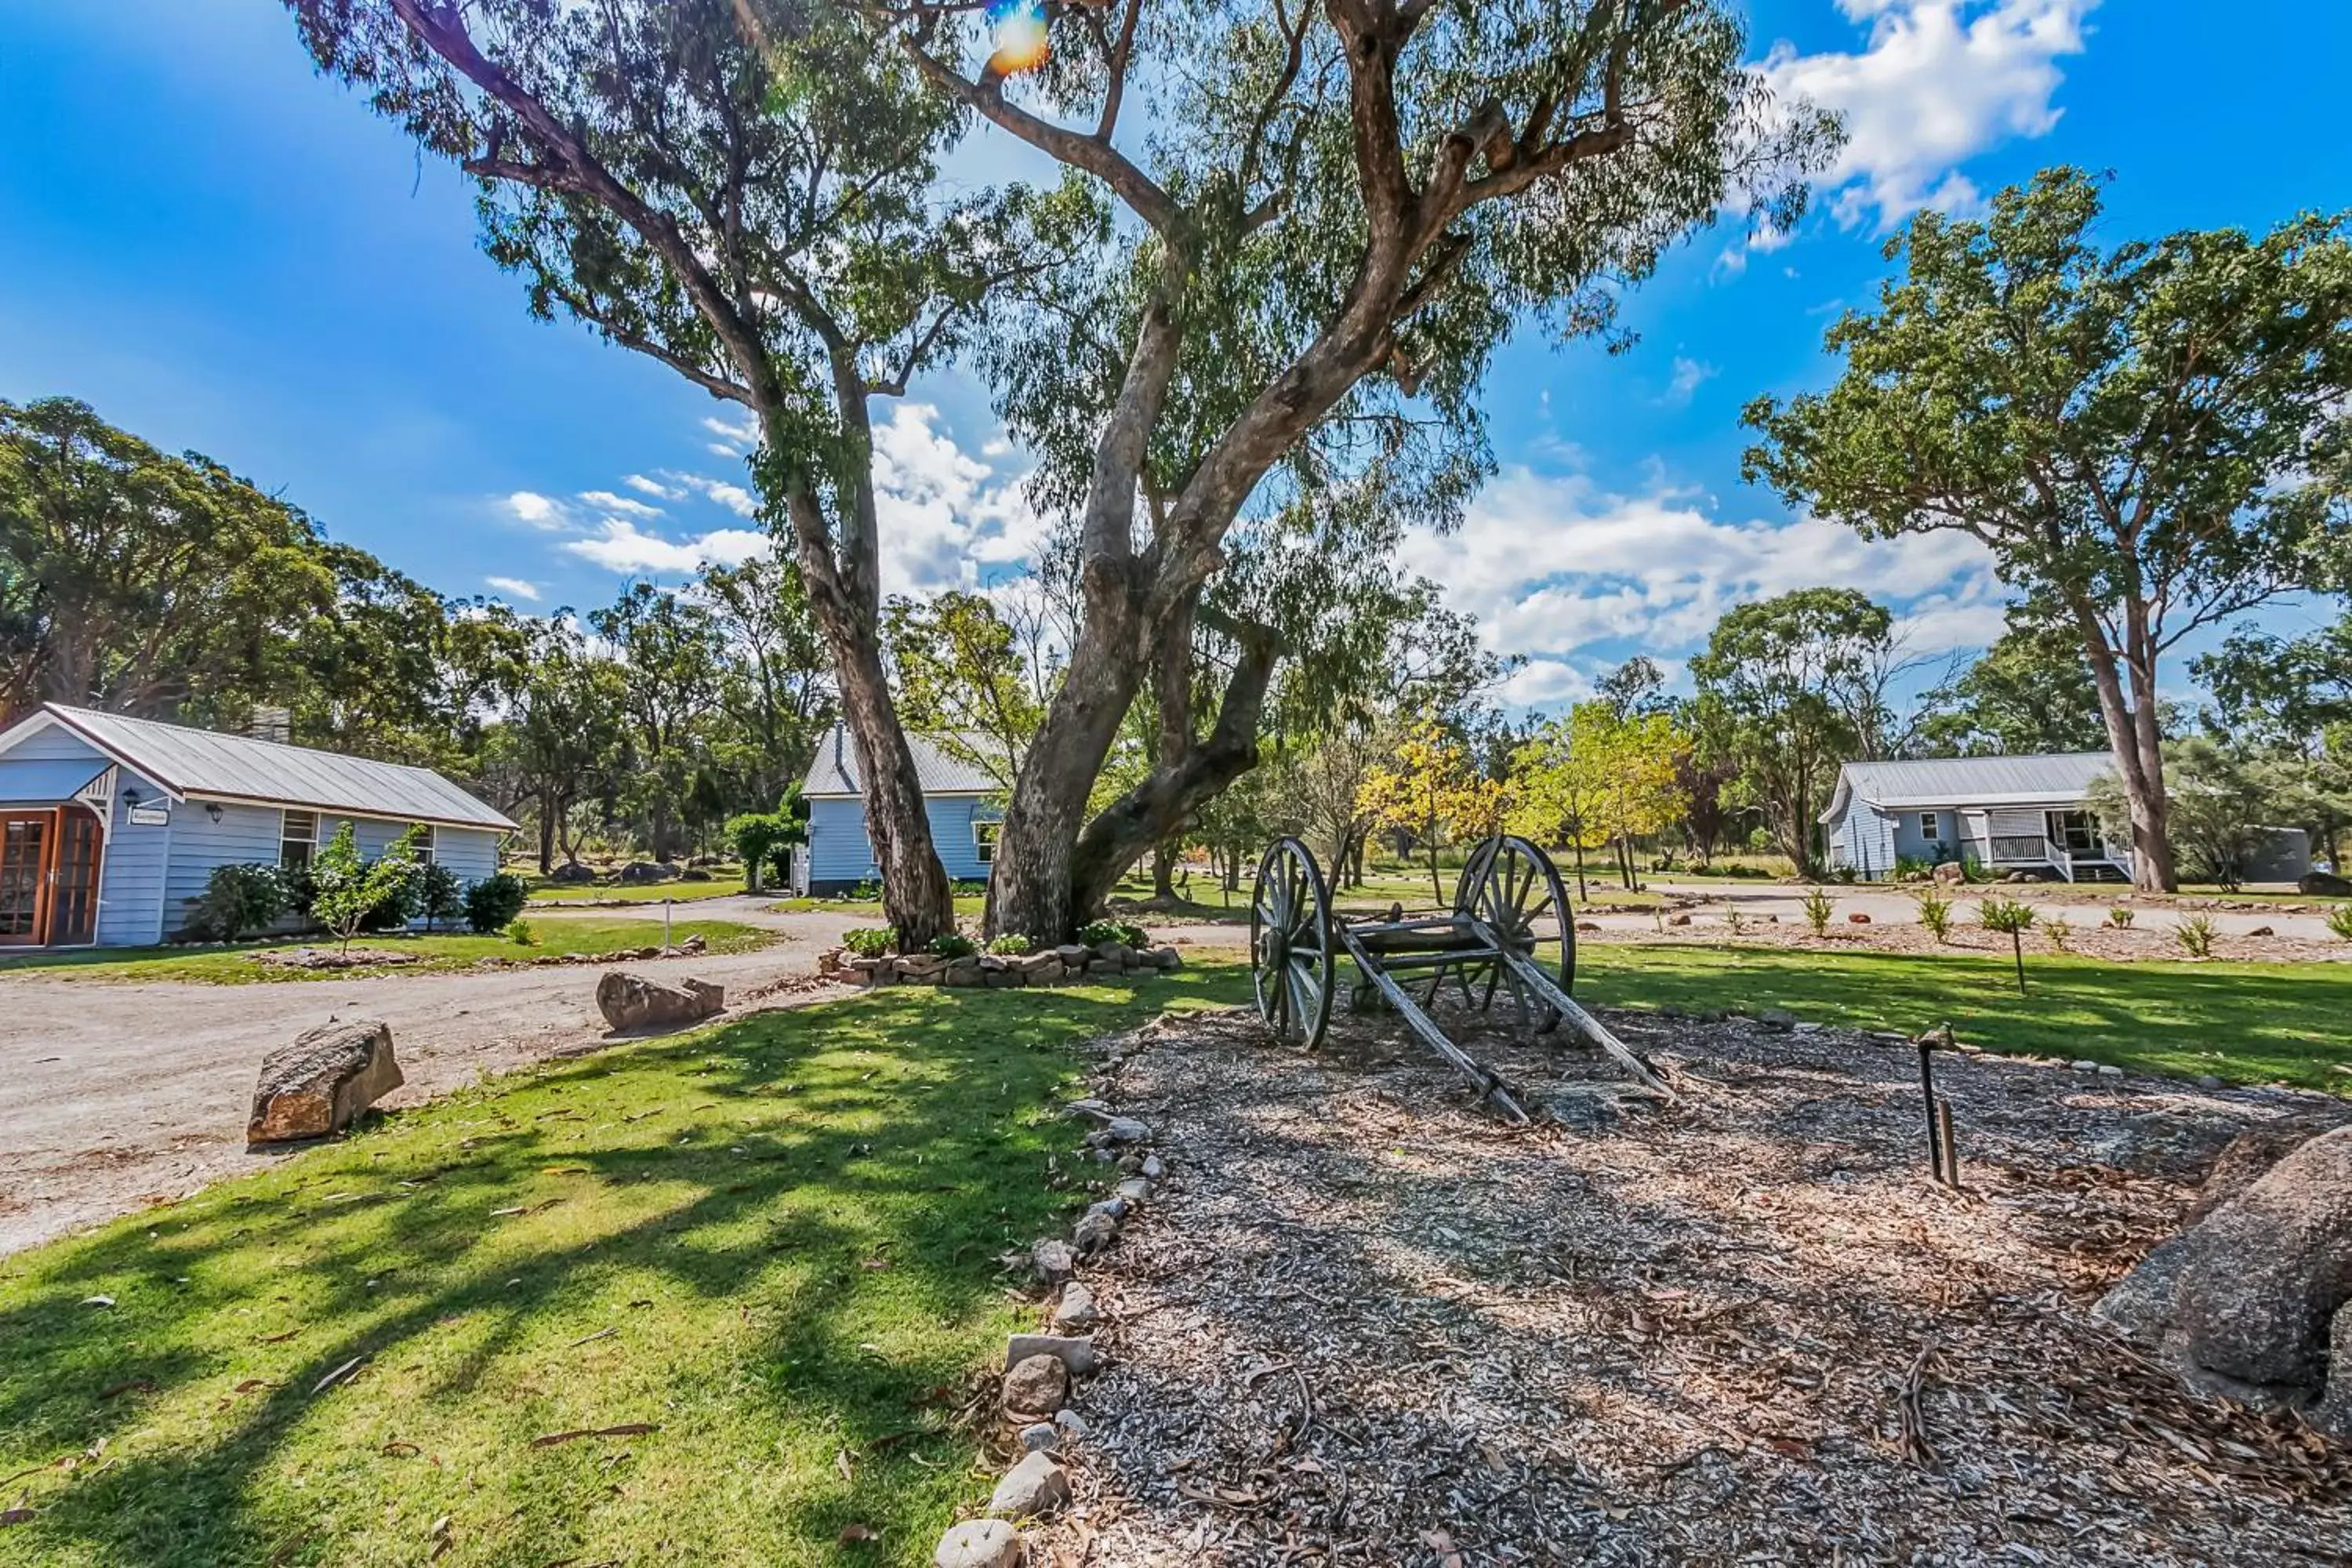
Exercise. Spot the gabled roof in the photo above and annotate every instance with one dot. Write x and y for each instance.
(834, 771)
(207, 765)
(2061, 778)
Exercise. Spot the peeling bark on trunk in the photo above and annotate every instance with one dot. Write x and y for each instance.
(2137, 746)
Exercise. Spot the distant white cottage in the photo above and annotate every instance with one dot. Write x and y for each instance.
(2004, 814)
(109, 828)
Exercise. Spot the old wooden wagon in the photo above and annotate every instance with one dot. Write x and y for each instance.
(1510, 934)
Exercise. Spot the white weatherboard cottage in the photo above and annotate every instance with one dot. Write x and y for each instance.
(111, 826)
(958, 798)
(2004, 814)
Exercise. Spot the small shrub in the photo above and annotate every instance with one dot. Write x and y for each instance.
(968, 889)
(951, 945)
(2120, 917)
(2012, 919)
(353, 894)
(2058, 929)
(870, 942)
(1011, 946)
(866, 892)
(1819, 910)
(436, 893)
(238, 899)
(2195, 935)
(2339, 922)
(1935, 913)
(519, 933)
(492, 903)
(1097, 931)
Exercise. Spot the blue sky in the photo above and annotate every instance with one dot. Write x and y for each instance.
(221, 251)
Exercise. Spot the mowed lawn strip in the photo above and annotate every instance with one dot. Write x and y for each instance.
(236, 964)
(728, 887)
(2247, 1023)
(777, 1242)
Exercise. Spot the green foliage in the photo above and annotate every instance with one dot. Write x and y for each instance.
(436, 894)
(2121, 917)
(238, 900)
(2030, 693)
(494, 901)
(1010, 945)
(2221, 800)
(350, 894)
(2059, 929)
(763, 840)
(870, 942)
(1788, 688)
(1935, 913)
(1819, 909)
(2195, 934)
(2018, 381)
(1095, 932)
(951, 945)
(2339, 922)
(521, 932)
(2014, 918)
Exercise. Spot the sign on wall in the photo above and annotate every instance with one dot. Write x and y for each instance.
(151, 814)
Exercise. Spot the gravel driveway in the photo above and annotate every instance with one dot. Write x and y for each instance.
(122, 1094)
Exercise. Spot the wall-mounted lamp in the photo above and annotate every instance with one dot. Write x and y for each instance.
(130, 795)
(213, 810)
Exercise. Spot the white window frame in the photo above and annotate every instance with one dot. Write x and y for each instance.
(429, 845)
(983, 844)
(1931, 826)
(286, 835)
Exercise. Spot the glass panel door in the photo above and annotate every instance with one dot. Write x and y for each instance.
(24, 866)
(73, 889)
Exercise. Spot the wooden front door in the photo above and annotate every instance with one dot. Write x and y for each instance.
(48, 877)
(26, 839)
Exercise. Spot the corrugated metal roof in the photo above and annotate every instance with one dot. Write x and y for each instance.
(834, 771)
(207, 764)
(2057, 778)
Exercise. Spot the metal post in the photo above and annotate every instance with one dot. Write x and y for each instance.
(1928, 1095)
(664, 925)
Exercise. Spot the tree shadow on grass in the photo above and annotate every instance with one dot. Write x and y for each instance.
(774, 1240)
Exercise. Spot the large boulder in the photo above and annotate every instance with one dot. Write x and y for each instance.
(2246, 1299)
(2324, 885)
(979, 1543)
(572, 871)
(633, 1002)
(648, 871)
(1948, 871)
(317, 1085)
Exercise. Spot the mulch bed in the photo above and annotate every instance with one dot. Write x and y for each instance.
(1363, 1322)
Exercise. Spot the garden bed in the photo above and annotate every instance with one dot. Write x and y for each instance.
(1363, 1322)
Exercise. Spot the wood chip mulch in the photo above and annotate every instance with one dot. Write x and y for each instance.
(1363, 1322)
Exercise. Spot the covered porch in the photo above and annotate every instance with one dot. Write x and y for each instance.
(2066, 840)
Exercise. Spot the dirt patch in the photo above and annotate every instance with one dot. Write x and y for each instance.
(1362, 1322)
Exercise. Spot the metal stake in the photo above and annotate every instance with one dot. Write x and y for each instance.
(1951, 1146)
(1928, 1094)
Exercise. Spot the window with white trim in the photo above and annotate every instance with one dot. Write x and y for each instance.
(428, 840)
(298, 838)
(983, 841)
(1930, 826)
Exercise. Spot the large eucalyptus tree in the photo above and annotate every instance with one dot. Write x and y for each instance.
(1321, 220)
(744, 191)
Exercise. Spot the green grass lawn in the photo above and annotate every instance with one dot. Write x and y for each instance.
(2249, 1022)
(235, 965)
(767, 1250)
(725, 887)
(967, 906)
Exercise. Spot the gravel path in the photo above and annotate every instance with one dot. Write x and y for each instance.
(1362, 1322)
(122, 1094)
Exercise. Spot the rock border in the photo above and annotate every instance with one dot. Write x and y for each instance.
(1064, 965)
(1042, 1371)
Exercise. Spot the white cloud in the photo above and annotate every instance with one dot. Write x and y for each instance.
(944, 514)
(619, 545)
(1541, 681)
(1689, 375)
(538, 511)
(514, 587)
(1938, 82)
(605, 500)
(722, 449)
(734, 498)
(1554, 567)
(738, 438)
(652, 487)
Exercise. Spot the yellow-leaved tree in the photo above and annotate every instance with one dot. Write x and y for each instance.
(1430, 790)
(1594, 777)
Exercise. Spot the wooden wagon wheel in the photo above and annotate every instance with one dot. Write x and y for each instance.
(1292, 961)
(1518, 894)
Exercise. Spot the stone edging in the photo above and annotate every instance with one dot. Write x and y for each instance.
(1042, 1369)
(1061, 965)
